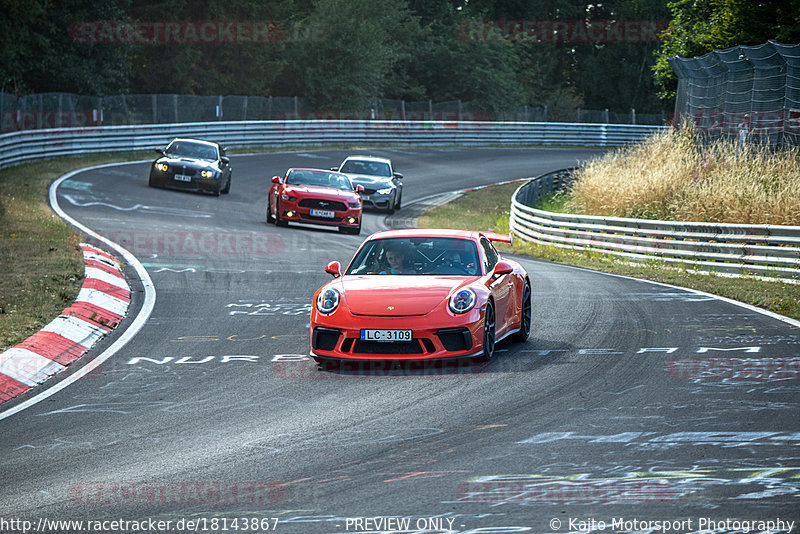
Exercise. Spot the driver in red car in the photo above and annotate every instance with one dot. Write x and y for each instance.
(398, 259)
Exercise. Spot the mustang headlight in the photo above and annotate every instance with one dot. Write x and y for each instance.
(162, 167)
(462, 301)
(328, 300)
(385, 191)
(354, 204)
(290, 198)
(207, 174)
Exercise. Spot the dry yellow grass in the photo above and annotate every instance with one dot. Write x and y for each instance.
(673, 176)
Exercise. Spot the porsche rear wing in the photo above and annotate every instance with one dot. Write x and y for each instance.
(500, 238)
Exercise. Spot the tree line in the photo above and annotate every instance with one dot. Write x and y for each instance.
(343, 54)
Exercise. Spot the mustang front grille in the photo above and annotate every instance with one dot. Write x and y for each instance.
(315, 203)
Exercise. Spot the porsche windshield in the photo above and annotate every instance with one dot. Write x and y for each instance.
(417, 255)
(187, 149)
(319, 178)
(371, 168)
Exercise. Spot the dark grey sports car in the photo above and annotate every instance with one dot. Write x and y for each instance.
(193, 165)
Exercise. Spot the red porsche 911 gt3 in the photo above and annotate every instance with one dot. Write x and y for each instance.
(421, 294)
(315, 196)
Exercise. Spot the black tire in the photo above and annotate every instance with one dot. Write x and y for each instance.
(399, 202)
(390, 209)
(270, 218)
(151, 182)
(227, 188)
(525, 315)
(488, 333)
(215, 192)
(278, 220)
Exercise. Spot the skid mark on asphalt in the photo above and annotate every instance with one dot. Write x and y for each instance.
(137, 207)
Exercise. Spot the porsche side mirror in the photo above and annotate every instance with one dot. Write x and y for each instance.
(225, 160)
(276, 179)
(334, 268)
(360, 188)
(160, 151)
(501, 268)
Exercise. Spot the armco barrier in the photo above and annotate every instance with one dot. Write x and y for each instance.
(38, 144)
(738, 249)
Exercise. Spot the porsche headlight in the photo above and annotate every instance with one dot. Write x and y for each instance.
(385, 191)
(207, 174)
(162, 167)
(328, 300)
(462, 301)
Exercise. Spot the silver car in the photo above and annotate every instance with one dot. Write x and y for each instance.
(383, 188)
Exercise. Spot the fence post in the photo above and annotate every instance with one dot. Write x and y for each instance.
(430, 109)
(402, 110)
(605, 115)
(154, 106)
(545, 113)
(175, 105)
(633, 116)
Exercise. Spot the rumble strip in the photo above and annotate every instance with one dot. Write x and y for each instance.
(101, 304)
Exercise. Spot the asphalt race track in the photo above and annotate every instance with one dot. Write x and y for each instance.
(631, 403)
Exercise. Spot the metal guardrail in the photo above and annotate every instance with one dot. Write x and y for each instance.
(734, 249)
(38, 144)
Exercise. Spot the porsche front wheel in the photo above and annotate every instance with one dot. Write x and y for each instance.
(524, 315)
(488, 333)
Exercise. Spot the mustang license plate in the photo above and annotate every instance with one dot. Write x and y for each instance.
(183, 178)
(386, 335)
(323, 213)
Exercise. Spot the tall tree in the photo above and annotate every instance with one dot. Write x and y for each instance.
(699, 26)
(40, 52)
(347, 51)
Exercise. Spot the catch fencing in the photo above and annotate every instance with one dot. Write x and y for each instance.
(732, 249)
(67, 110)
(751, 92)
(37, 144)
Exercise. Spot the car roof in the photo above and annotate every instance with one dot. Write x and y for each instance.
(198, 141)
(427, 232)
(369, 158)
(313, 169)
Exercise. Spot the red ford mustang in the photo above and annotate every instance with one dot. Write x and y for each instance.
(315, 196)
(421, 294)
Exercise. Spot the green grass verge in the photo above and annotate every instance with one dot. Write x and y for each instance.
(488, 209)
(42, 263)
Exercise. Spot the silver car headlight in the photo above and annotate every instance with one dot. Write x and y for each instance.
(385, 191)
(328, 300)
(462, 301)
